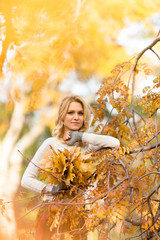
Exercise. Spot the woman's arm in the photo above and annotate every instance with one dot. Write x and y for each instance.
(99, 141)
(29, 180)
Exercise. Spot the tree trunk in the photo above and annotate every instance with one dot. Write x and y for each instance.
(10, 165)
(7, 220)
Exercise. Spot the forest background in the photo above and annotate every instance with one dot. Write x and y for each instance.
(45, 47)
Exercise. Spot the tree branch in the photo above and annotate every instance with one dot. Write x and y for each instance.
(143, 148)
(149, 47)
(148, 174)
(144, 50)
(135, 223)
(156, 159)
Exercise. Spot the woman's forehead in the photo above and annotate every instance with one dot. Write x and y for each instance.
(75, 106)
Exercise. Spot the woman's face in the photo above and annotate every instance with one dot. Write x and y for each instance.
(73, 120)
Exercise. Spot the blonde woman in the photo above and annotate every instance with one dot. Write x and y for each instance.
(72, 123)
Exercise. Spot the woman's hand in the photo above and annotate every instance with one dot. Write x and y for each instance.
(66, 136)
(56, 188)
(75, 136)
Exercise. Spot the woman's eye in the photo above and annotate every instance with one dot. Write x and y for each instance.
(71, 112)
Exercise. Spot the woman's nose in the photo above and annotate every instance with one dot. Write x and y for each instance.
(76, 116)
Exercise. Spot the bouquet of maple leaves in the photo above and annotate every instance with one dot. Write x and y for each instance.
(69, 167)
(73, 171)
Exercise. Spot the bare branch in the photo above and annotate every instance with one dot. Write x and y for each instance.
(157, 235)
(143, 148)
(157, 214)
(150, 210)
(144, 50)
(149, 47)
(135, 223)
(156, 159)
(34, 208)
(155, 53)
(148, 174)
(115, 186)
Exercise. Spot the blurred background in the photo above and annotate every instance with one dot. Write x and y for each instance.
(49, 50)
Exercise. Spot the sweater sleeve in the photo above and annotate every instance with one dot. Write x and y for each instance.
(29, 180)
(100, 141)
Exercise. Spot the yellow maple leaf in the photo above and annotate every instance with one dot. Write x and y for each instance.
(60, 163)
(70, 174)
(87, 167)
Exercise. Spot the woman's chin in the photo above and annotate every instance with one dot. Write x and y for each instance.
(75, 128)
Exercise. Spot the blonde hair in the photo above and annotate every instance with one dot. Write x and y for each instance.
(63, 108)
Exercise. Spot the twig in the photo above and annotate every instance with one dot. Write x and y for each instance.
(150, 210)
(143, 148)
(155, 200)
(22, 199)
(140, 116)
(149, 47)
(115, 186)
(143, 202)
(148, 174)
(144, 50)
(41, 204)
(135, 223)
(155, 53)
(156, 161)
(157, 235)
(124, 167)
(157, 213)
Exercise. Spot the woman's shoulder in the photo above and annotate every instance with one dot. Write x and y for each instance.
(54, 142)
(49, 140)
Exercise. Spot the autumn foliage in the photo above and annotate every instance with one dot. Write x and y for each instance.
(42, 42)
(129, 179)
(112, 189)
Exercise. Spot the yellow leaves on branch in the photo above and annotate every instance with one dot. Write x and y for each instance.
(143, 68)
(150, 102)
(121, 201)
(148, 224)
(151, 98)
(137, 160)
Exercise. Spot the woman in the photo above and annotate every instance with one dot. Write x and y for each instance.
(71, 125)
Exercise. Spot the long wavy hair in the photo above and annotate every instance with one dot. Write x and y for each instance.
(63, 108)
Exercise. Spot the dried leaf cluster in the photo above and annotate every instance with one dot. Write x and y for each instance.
(68, 167)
